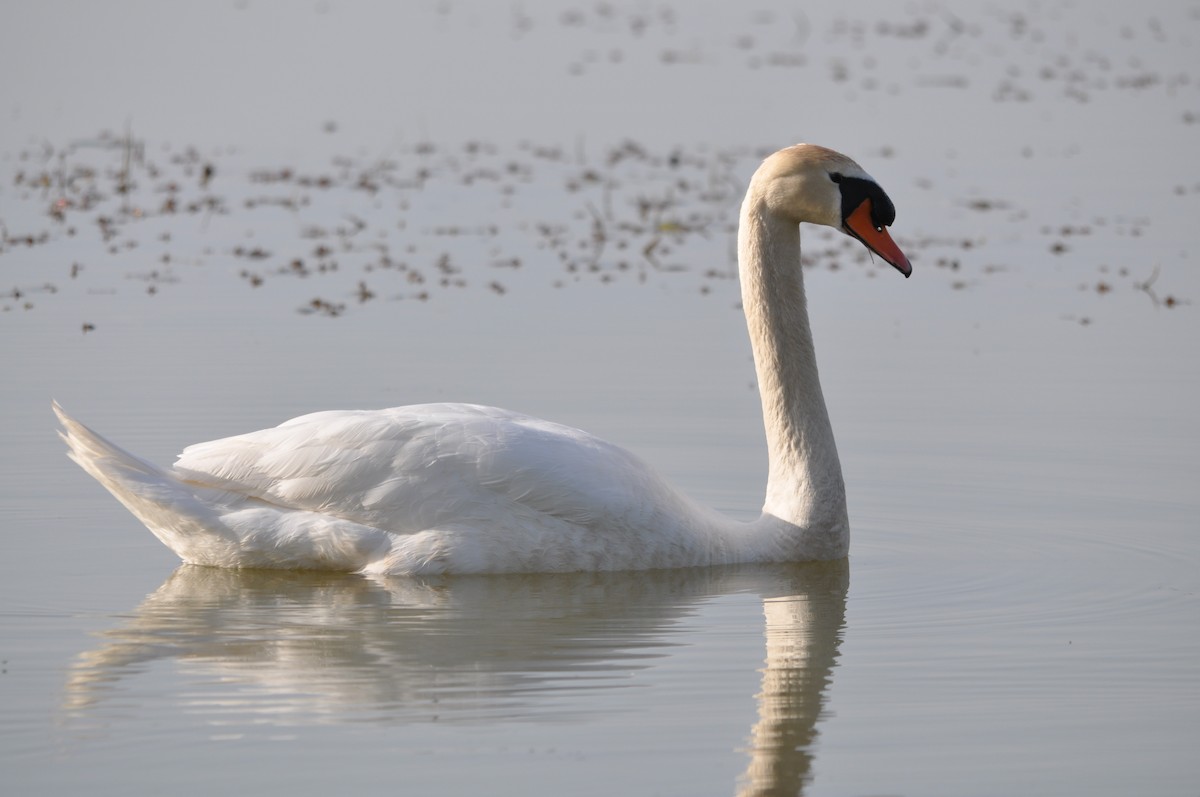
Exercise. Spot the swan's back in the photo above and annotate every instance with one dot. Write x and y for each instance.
(418, 489)
(408, 469)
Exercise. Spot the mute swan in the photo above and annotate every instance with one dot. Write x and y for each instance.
(459, 488)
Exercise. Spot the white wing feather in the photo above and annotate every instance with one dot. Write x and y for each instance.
(406, 468)
(542, 495)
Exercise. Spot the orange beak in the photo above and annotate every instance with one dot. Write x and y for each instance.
(861, 226)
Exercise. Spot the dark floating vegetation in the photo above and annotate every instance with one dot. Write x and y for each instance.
(628, 213)
(433, 218)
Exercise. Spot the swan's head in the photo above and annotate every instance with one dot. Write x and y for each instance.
(814, 184)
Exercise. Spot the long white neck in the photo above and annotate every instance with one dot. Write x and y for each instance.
(804, 486)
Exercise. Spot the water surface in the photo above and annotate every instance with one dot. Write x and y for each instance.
(1016, 422)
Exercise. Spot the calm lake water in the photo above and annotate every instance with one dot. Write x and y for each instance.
(335, 206)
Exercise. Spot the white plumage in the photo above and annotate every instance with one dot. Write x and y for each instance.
(462, 488)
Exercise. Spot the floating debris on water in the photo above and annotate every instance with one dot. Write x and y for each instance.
(599, 214)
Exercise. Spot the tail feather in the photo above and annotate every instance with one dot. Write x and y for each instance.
(186, 518)
(100, 457)
(214, 526)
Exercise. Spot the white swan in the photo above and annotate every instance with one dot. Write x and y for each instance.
(457, 488)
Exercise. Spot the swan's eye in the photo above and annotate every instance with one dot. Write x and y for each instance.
(835, 176)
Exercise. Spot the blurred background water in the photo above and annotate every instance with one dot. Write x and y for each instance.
(218, 216)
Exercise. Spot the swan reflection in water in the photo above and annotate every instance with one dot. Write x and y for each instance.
(290, 648)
